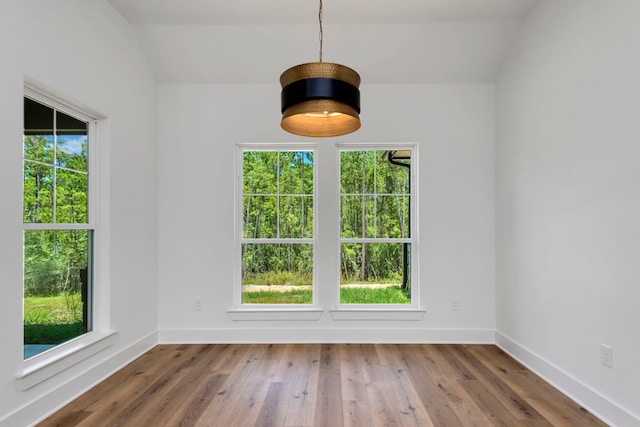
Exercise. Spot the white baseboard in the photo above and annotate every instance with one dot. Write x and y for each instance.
(312, 335)
(56, 398)
(596, 403)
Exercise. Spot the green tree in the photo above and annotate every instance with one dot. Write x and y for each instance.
(54, 259)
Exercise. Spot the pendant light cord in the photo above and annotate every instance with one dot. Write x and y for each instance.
(321, 34)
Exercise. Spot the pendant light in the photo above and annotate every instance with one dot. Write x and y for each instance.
(320, 99)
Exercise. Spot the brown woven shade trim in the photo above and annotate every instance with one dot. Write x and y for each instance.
(326, 70)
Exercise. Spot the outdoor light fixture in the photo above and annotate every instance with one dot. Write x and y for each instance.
(320, 99)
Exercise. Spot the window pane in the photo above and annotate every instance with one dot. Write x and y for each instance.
(296, 216)
(391, 178)
(260, 215)
(357, 217)
(369, 176)
(351, 212)
(370, 218)
(307, 171)
(38, 148)
(38, 193)
(351, 172)
(260, 172)
(296, 172)
(71, 197)
(392, 214)
(72, 152)
(277, 273)
(38, 131)
(57, 287)
(375, 273)
(68, 125)
(71, 142)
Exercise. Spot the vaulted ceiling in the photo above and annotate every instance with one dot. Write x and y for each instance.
(386, 41)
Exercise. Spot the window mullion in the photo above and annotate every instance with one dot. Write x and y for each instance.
(275, 241)
(57, 226)
(362, 197)
(55, 166)
(302, 196)
(376, 240)
(92, 175)
(278, 194)
(375, 196)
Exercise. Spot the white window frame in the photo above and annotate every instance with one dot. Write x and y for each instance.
(411, 311)
(326, 182)
(55, 360)
(243, 311)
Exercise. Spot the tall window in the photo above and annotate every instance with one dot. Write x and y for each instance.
(59, 223)
(277, 220)
(375, 226)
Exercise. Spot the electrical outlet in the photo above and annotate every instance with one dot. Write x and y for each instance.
(197, 304)
(606, 355)
(455, 304)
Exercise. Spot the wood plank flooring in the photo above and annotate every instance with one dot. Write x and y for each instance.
(323, 385)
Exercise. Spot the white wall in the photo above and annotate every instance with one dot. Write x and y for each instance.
(199, 126)
(568, 201)
(85, 51)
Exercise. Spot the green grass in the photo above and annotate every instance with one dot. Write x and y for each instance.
(52, 320)
(299, 296)
(281, 278)
(389, 295)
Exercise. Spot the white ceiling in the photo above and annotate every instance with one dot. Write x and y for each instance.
(386, 41)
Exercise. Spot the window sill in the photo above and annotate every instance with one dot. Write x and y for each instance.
(45, 365)
(264, 313)
(367, 313)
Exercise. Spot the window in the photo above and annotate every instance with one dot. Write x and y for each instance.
(59, 223)
(277, 243)
(376, 240)
(368, 236)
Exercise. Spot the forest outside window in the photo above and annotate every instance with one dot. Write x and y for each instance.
(58, 230)
(277, 242)
(376, 243)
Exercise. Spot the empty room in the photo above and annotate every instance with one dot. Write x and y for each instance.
(320, 213)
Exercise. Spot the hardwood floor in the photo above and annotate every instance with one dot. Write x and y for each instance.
(323, 385)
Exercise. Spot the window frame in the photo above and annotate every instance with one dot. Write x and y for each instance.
(374, 310)
(44, 365)
(272, 311)
(326, 190)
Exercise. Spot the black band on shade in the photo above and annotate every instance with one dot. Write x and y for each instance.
(320, 88)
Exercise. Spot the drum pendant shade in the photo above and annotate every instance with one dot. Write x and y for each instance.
(320, 99)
